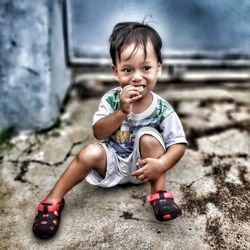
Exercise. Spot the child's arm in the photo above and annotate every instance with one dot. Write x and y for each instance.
(106, 126)
(152, 168)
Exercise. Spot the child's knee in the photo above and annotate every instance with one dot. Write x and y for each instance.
(91, 154)
(149, 141)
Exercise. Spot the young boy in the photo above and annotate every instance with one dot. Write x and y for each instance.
(141, 135)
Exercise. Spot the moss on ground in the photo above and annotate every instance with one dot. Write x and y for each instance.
(5, 136)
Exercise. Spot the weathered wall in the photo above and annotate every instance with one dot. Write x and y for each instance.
(32, 82)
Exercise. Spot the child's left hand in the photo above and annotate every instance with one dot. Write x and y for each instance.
(150, 170)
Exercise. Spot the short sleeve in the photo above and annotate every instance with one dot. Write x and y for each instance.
(108, 104)
(172, 130)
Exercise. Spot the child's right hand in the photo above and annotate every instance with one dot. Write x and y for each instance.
(128, 95)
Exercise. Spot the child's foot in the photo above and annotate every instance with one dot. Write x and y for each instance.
(48, 218)
(164, 206)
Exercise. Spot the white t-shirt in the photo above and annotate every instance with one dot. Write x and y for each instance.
(159, 115)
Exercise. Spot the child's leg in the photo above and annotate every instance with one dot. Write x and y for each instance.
(49, 210)
(151, 147)
(92, 156)
(162, 201)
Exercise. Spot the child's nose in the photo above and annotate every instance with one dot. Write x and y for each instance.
(137, 76)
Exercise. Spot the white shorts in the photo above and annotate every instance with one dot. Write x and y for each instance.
(119, 169)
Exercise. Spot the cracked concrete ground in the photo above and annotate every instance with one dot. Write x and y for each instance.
(211, 182)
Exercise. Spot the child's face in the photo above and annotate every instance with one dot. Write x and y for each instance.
(137, 70)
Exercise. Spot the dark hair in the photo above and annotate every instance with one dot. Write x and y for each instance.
(125, 33)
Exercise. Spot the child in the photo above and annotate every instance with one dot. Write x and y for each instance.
(141, 135)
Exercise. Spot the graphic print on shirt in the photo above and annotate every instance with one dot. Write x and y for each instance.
(122, 140)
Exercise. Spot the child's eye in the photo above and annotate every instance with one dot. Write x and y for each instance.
(146, 68)
(127, 70)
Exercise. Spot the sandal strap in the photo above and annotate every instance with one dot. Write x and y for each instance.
(47, 207)
(160, 195)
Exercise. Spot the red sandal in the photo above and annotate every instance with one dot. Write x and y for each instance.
(47, 220)
(164, 206)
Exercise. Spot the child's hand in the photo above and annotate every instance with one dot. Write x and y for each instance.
(150, 170)
(129, 95)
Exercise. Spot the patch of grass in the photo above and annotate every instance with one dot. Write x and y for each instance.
(6, 134)
(55, 133)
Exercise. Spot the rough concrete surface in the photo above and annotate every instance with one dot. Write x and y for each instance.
(211, 182)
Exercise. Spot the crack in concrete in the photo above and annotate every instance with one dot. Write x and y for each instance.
(25, 163)
(208, 158)
(29, 149)
(175, 182)
(194, 134)
(23, 171)
(230, 100)
(190, 185)
(187, 185)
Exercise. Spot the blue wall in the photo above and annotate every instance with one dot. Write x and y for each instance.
(196, 25)
(33, 74)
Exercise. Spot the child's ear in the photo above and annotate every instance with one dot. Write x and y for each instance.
(114, 69)
(159, 69)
